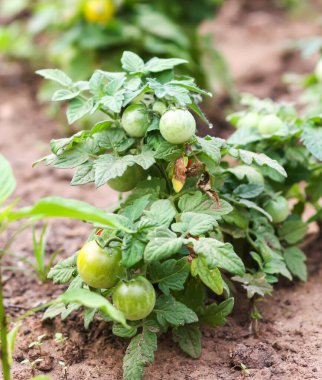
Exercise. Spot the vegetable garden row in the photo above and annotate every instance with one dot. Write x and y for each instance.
(199, 221)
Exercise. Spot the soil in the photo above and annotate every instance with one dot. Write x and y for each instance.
(286, 344)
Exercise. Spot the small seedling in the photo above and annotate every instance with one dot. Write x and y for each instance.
(64, 368)
(40, 244)
(32, 364)
(245, 371)
(38, 343)
(60, 338)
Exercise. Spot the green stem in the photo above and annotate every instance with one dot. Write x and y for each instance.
(250, 240)
(164, 174)
(3, 334)
(34, 310)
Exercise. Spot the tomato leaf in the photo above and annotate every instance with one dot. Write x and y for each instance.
(215, 315)
(218, 254)
(56, 76)
(277, 265)
(132, 63)
(168, 310)
(169, 275)
(53, 310)
(293, 231)
(77, 108)
(132, 250)
(155, 65)
(295, 261)
(312, 139)
(210, 277)
(200, 203)
(92, 300)
(139, 353)
(254, 284)
(88, 316)
(161, 213)
(85, 173)
(194, 223)
(209, 146)
(260, 159)
(247, 172)
(123, 332)
(189, 339)
(252, 205)
(250, 190)
(64, 94)
(108, 166)
(64, 270)
(163, 245)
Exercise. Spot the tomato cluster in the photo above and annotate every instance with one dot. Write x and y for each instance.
(265, 124)
(177, 126)
(101, 268)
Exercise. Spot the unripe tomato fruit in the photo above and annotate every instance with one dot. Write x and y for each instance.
(99, 11)
(270, 124)
(177, 126)
(135, 298)
(135, 120)
(99, 267)
(251, 120)
(128, 180)
(318, 71)
(159, 107)
(278, 209)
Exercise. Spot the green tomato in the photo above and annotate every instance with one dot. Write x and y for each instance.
(135, 120)
(177, 126)
(278, 209)
(128, 180)
(135, 298)
(270, 124)
(159, 107)
(99, 267)
(251, 120)
(318, 71)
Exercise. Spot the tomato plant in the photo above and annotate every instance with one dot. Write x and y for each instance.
(296, 143)
(80, 35)
(208, 216)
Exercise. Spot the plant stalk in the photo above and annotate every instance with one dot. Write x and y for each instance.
(3, 333)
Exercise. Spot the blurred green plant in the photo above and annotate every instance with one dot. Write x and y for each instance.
(310, 84)
(81, 35)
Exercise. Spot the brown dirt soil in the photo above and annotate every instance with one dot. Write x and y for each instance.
(288, 342)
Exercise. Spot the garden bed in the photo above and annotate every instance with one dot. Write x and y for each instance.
(287, 343)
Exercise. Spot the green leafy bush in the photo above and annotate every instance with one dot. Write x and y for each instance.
(80, 35)
(296, 143)
(201, 215)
